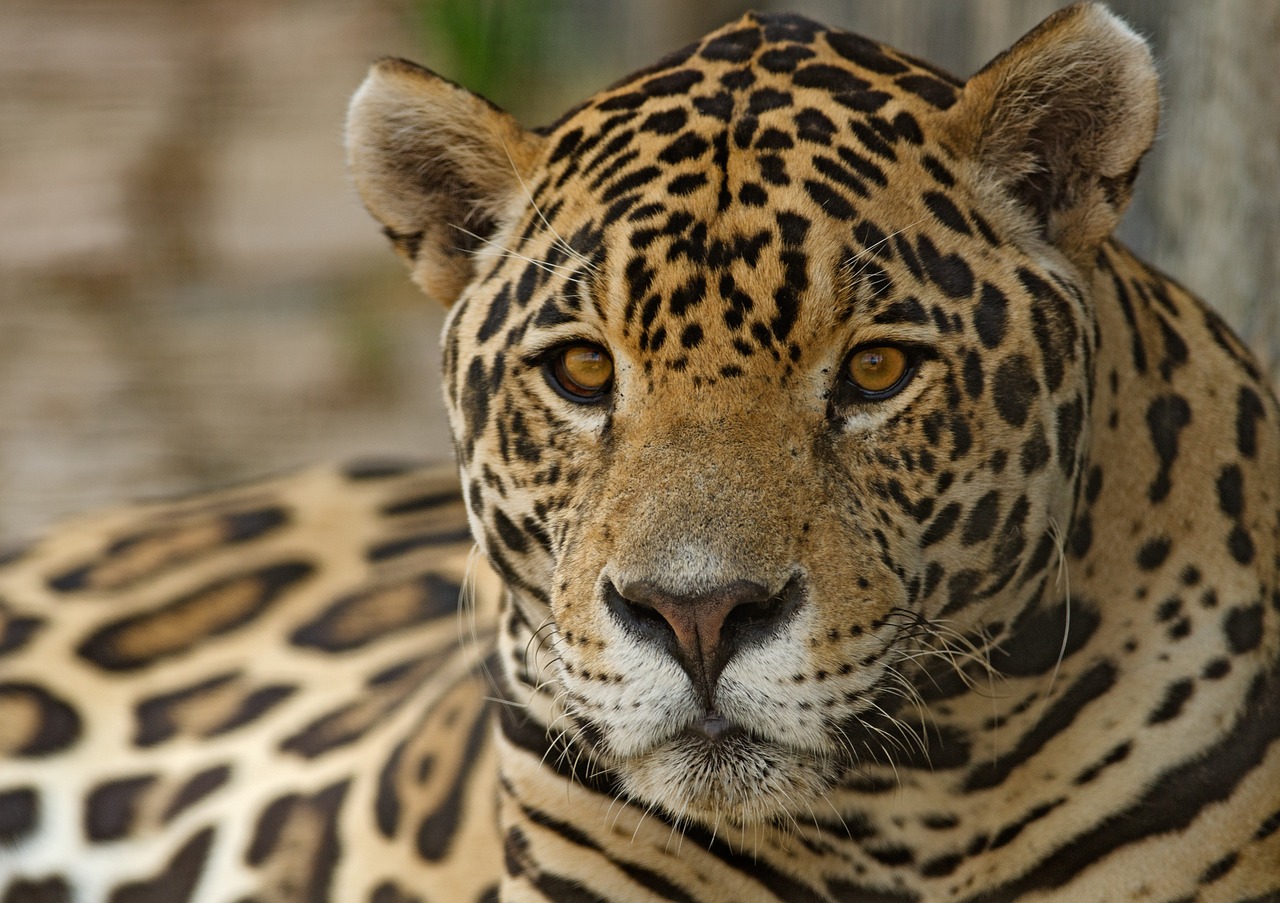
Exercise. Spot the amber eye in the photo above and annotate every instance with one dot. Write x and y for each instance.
(878, 371)
(581, 371)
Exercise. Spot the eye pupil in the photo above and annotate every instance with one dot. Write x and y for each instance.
(583, 371)
(878, 370)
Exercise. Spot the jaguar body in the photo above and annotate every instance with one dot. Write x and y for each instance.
(860, 522)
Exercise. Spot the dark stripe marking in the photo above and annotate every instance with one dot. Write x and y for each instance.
(221, 607)
(396, 547)
(437, 830)
(111, 807)
(48, 890)
(308, 827)
(57, 724)
(197, 788)
(1088, 687)
(361, 618)
(178, 880)
(1169, 804)
(143, 555)
(19, 815)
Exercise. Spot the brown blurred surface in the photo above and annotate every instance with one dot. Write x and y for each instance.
(191, 294)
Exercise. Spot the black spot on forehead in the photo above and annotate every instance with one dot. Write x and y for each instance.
(735, 46)
(946, 212)
(678, 82)
(878, 141)
(496, 316)
(567, 144)
(738, 79)
(830, 199)
(841, 175)
(764, 99)
(862, 101)
(931, 90)
(635, 179)
(906, 310)
(829, 78)
(629, 101)
(780, 27)
(862, 166)
(990, 317)
(688, 146)
(948, 272)
(784, 59)
(717, 106)
(1014, 388)
(688, 295)
(908, 128)
(814, 126)
(745, 130)
(527, 284)
(744, 247)
(774, 139)
(752, 195)
(864, 53)
(773, 170)
(664, 122)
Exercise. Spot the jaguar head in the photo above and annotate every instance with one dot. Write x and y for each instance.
(769, 375)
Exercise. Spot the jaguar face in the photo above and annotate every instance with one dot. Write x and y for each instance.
(768, 375)
(758, 460)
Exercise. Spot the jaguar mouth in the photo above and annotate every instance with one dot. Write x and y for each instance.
(713, 728)
(717, 771)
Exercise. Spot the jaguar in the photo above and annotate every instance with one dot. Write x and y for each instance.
(857, 520)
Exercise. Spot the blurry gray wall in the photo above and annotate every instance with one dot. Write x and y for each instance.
(190, 293)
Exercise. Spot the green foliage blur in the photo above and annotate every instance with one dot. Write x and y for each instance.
(497, 48)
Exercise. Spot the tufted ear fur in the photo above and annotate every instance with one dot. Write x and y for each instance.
(438, 166)
(1059, 122)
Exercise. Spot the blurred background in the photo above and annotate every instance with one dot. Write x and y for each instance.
(190, 293)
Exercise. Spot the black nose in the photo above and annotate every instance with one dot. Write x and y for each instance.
(703, 631)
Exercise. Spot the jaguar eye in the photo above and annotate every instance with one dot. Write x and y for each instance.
(581, 372)
(878, 371)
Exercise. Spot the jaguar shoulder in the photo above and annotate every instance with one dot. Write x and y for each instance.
(864, 523)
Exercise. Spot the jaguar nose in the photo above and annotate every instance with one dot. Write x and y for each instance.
(703, 631)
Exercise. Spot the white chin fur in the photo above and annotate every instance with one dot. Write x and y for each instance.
(740, 781)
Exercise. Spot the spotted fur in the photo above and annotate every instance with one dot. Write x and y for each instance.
(241, 696)
(1008, 629)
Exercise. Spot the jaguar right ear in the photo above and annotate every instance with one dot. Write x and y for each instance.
(438, 166)
(1059, 122)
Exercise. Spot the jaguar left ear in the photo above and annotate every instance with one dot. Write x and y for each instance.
(438, 166)
(1059, 122)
